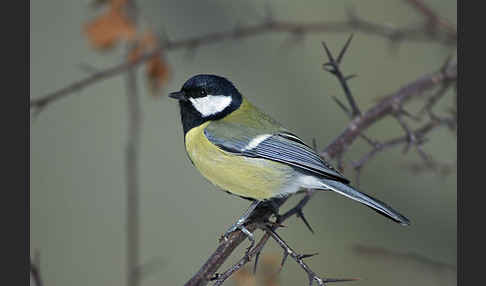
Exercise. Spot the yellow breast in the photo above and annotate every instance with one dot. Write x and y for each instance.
(248, 177)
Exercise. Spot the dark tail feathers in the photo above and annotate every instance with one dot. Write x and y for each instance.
(373, 203)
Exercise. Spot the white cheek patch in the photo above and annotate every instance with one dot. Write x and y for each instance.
(210, 104)
(256, 141)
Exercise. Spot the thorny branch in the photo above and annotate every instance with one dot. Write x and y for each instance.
(354, 23)
(333, 67)
(419, 133)
(256, 250)
(393, 105)
(269, 229)
(415, 138)
(387, 106)
(299, 258)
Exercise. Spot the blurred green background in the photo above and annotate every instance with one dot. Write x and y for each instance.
(77, 198)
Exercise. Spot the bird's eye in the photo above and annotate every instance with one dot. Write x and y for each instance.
(203, 92)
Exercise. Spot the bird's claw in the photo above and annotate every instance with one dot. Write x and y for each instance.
(236, 227)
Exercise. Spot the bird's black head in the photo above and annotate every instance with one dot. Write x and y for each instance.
(206, 97)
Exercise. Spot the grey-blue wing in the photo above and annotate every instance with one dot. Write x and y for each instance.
(280, 146)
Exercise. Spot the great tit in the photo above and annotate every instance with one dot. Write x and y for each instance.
(245, 152)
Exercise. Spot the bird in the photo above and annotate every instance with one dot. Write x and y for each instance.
(247, 153)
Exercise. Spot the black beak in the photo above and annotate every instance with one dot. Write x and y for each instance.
(179, 95)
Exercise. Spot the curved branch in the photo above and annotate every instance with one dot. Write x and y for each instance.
(387, 106)
(354, 24)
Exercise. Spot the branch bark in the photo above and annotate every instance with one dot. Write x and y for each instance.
(432, 17)
(387, 106)
(131, 167)
(354, 24)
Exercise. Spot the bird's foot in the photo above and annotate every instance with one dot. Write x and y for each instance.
(239, 225)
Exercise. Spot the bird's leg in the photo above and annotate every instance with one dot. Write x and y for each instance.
(274, 206)
(239, 224)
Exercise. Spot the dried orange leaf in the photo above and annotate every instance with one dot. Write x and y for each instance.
(106, 30)
(157, 72)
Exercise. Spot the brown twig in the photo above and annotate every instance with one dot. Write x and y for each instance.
(433, 19)
(417, 137)
(354, 24)
(299, 258)
(207, 272)
(333, 67)
(387, 106)
(432, 101)
(419, 133)
(255, 251)
(131, 166)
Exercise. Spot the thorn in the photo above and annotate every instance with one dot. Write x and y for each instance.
(304, 256)
(300, 214)
(343, 50)
(341, 104)
(274, 224)
(350, 77)
(329, 55)
(332, 280)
